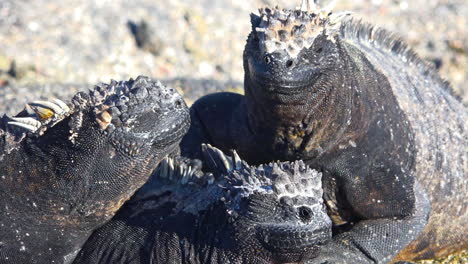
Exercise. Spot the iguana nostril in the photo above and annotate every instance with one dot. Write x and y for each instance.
(289, 63)
(305, 214)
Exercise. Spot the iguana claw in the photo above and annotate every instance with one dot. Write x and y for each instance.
(45, 109)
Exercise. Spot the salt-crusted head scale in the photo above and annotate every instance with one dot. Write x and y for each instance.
(293, 30)
(293, 180)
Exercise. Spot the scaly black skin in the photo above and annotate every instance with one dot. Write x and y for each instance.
(239, 214)
(361, 107)
(72, 174)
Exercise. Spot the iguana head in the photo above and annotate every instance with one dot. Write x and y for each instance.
(275, 209)
(280, 204)
(100, 147)
(292, 63)
(290, 57)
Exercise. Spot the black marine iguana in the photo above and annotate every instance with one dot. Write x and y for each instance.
(355, 103)
(238, 214)
(66, 169)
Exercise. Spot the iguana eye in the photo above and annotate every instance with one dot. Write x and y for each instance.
(179, 103)
(267, 59)
(319, 50)
(305, 214)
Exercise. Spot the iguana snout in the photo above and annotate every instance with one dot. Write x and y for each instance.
(302, 227)
(299, 221)
(287, 48)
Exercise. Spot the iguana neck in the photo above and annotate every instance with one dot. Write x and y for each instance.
(308, 123)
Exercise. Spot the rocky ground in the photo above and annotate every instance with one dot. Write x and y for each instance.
(83, 42)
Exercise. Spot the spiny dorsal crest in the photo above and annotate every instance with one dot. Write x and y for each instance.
(293, 30)
(283, 178)
(183, 172)
(292, 179)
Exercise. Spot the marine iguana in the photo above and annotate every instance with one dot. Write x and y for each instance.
(272, 213)
(356, 103)
(67, 168)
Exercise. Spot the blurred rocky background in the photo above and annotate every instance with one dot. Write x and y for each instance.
(83, 42)
(53, 48)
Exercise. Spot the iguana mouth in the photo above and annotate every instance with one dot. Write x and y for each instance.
(178, 130)
(287, 88)
(289, 238)
(291, 244)
(293, 84)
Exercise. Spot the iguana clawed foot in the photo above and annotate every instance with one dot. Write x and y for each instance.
(40, 113)
(46, 110)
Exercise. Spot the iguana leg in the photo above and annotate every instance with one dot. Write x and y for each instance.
(378, 240)
(208, 123)
(191, 143)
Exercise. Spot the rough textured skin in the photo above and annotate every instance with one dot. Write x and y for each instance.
(239, 214)
(70, 172)
(357, 104)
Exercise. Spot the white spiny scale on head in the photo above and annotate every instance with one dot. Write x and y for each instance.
(297, 180)
(104, 119)
(295, 30)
